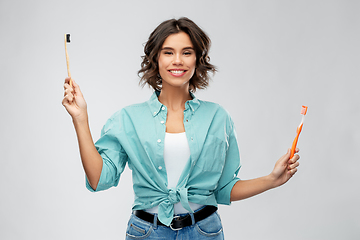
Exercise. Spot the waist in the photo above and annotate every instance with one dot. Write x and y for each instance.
(180, 221)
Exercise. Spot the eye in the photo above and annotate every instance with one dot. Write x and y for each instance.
(188, 52)
(167, 53)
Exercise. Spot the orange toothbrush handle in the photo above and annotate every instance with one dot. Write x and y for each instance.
(295, 141)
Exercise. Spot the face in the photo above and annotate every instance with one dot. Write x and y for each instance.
(177, 61)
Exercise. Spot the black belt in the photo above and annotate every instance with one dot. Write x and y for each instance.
(178, 222)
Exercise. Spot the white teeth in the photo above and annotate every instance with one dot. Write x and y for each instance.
(177, 71)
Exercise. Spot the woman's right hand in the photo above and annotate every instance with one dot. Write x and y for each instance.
(75, 104)
(74, 101)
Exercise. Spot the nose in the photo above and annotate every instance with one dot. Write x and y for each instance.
(177, 59)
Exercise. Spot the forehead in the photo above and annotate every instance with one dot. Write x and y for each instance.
(178, 40)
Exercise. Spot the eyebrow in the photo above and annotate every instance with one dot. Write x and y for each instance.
(170, 48)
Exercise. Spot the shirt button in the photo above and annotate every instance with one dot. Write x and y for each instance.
(163, 108)
(159, 140)
(162, 122)
(160, 167)
(187, 120)
(192, 139)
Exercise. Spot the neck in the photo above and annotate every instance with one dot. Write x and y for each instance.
(174, 98)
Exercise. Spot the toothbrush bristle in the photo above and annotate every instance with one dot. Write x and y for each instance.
(68, 37)
(304, 110)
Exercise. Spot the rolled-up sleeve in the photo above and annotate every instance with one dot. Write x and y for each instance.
(230, 170)
(113, 155)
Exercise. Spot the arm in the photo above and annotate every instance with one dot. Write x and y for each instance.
(284, 169)
(75, 104)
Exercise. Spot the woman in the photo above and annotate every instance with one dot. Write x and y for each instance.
(182, 151)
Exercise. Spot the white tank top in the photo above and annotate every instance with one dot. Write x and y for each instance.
(176, 155)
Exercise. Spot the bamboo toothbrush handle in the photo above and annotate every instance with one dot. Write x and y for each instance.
(67, 60)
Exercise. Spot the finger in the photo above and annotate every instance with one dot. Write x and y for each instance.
(283, 160)
(295, 158)
(67, 87)
(68, 91)
(286, 157)
(77, 88)
(292, 171)
(66, 101)
(292, 166)
(67, 80)
(297, 150)
(69, 96)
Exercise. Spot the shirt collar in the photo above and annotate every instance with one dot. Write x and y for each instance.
(156, 106)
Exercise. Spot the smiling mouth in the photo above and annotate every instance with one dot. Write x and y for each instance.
(177, 71)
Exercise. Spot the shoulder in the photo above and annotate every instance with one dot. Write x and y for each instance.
(128, 112)
(138, 107)
(135, 108)
(124, 115)
(214, 107)
(218, 114)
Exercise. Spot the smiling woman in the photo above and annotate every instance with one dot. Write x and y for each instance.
(198, 45)
(183, 152)
(177, 61)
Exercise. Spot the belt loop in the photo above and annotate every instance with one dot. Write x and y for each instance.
(192, 218)
(155, 220)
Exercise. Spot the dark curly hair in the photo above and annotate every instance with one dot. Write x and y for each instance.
(149, 71)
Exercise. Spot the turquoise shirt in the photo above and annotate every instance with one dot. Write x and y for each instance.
(135, 135)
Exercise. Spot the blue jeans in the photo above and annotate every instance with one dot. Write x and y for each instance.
(206, 229)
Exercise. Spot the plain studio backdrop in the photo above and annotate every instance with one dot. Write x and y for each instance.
(273, 57)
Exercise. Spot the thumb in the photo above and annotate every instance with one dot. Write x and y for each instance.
(286, 157)
(76, 87)
(74, 83)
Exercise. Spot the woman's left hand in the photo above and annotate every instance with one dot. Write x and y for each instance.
(284, 168)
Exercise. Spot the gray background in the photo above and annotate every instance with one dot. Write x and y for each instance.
(273, 57)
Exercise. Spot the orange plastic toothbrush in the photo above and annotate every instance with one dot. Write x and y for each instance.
(67, 40)
(298, 131)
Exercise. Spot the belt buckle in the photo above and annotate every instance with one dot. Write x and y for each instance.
(171, 227)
